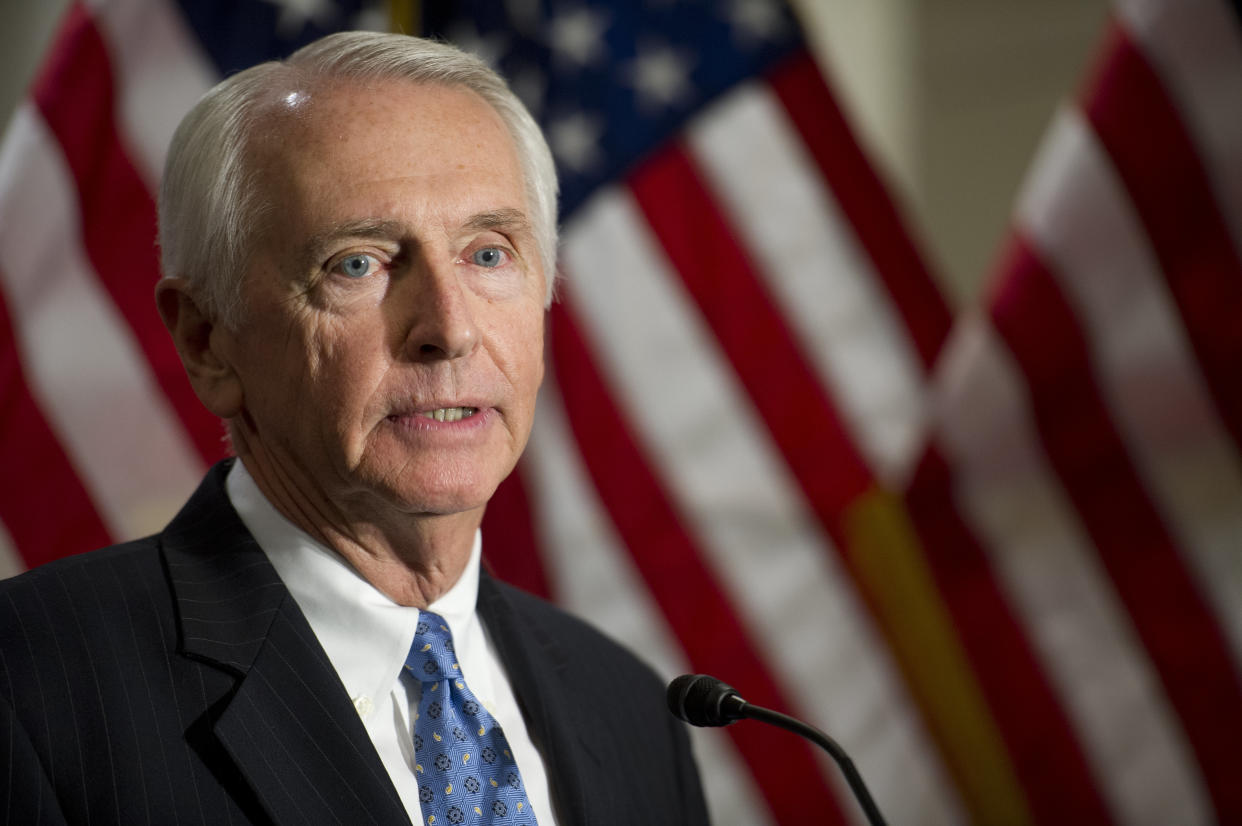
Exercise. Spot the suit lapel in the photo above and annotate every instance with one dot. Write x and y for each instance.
(541, 674)
(287, 725)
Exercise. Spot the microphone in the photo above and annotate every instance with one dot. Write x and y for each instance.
(703, 700)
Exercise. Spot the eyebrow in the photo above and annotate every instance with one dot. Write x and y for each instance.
(513, 220)
(508, 219)
(364, 228)
(321, 242)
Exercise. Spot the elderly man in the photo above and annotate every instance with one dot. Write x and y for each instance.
(358, 249)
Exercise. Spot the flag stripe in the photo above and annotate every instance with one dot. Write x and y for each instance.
(75, 95)
(93, 386)
(1076, 213)
(41, 527)
(11, 562)
(892, 570)
(666, 557)
(514, 555)
(806, 429)
(1189, 237)
(1044, 748)
(871, 212)
(1008, 498)
(593, 573)
(759, 170)
(736, 497)
(1196, 46)
(156, 84)
(1184, 641)
(769, 363)
(594, 576)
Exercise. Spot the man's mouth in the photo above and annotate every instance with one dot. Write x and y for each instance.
(449, 414)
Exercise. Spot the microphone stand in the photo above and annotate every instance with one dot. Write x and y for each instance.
(819, 738)
(703, 700)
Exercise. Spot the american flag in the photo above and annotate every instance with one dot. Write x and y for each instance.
(1080, 501)
(997, 560)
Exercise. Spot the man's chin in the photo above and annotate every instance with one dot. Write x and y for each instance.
(444, 506)
(459, 497)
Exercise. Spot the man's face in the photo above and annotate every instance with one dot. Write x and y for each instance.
(391, 346)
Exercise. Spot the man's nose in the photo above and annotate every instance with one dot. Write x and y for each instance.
(441, 323)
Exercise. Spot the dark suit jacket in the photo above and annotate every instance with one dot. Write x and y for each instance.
(175, 680)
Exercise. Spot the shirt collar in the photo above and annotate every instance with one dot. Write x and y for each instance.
(364, 633)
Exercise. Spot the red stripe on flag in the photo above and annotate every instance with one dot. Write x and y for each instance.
(1155, 156)
(865, 203)
(75, 95)
(1046, 754)
(683, 586)
(44, 507)
(767, 359)
(511, 552)
(1185, 643)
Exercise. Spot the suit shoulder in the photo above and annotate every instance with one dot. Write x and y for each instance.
(145, 550)
(79, 588)
(579, 638)
(594, 684)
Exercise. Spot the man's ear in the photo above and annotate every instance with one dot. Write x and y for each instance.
(200, 342)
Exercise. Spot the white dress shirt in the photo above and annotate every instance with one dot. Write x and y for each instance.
(367, 636)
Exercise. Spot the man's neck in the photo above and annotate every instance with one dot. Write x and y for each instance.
(411, 558)
(412, 566)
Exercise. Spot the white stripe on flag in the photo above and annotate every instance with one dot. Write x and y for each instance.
(1010, 499)
(1196, 47)
(592, 575)
(10, 560)
(1077, 213)
(777, 569)
(591, 572)
(820, 278)
(159, 72)
(84, 368)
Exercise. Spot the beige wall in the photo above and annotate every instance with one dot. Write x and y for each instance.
(26, 27)
(952, 96)
(992, 74)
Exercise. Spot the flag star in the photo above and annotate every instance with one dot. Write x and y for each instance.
(530, 84)
(490, 48)
(754, 21)
(295, 14)
(660, 75)
(524, 15)
(578, 35)
(575, 141)
(371, 18)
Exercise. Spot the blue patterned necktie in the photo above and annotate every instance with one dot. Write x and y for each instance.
(466, 770)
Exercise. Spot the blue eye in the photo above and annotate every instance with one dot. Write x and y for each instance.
(488, 257)
(356, 266)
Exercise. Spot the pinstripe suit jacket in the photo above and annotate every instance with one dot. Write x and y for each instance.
(174, 680)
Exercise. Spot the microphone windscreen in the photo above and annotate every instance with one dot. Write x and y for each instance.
(698, 699)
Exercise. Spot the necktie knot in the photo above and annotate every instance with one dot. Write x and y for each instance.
(432, 658)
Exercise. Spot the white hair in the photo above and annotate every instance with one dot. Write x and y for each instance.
(211, 203)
